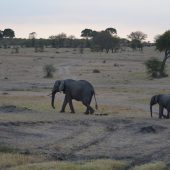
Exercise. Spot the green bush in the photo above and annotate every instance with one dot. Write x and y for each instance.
(49, 69)
(153, 66)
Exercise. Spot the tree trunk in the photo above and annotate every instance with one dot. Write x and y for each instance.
(162, 69)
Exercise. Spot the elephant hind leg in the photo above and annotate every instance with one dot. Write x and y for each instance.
(168, 113)
(89, 109)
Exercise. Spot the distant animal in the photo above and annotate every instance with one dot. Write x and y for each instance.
(80, 90)
(164, 103)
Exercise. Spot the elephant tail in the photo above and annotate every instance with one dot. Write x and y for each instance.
(96, 106)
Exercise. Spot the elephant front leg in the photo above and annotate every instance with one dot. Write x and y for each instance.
(64, 105)
(161, 109)
(71, 106)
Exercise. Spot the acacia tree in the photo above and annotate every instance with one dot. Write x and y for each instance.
(8, 33)
(32, 37)
(87, 33)
(163, 45)
(136, 39)
(137, 35)
(111, 30)
(106, 41)
(58, 40)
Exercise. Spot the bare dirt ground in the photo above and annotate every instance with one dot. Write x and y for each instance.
(124, 132)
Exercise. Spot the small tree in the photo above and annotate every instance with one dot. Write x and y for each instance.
(163, 45)
(49, 69)
(153, 67)
(32, 37)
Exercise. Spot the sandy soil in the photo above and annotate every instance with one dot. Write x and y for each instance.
(125, 131)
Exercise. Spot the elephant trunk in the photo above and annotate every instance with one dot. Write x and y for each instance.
(153, 102)
(52, 100)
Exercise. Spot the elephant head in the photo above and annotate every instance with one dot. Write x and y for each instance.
(58, 87)
(154, 100)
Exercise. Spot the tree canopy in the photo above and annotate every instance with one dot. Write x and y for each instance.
(163, 45)
(86, 33)
(8, 33)
(137, 35)
(111, 30)
(106, 41)
(32, 35)
(163, 42)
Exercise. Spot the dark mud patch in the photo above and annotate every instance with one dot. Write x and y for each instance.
(13, 109)
(152, 129)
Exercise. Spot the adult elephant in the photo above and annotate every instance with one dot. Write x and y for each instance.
(80, 90)
(164, 103)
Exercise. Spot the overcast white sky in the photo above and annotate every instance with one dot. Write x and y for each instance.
(51, 17)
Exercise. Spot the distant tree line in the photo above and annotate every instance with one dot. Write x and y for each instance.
(105, 40)
(54, 41)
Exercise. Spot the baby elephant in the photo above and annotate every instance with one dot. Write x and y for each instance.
(164, 102)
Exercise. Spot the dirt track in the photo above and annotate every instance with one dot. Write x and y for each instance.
(28, 124)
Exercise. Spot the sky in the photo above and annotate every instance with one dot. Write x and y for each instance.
(52, 17)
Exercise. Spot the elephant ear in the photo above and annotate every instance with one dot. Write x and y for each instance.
(61, 86)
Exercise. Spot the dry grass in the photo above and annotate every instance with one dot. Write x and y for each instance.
(22, 162)
(93, 165)
(124, 91)
(152, 166)
(11, 160)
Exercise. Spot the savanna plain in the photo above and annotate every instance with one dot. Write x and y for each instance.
(120, 135)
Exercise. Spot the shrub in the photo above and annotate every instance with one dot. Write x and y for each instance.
(49, 69)
(153, 67)
(96, 71)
